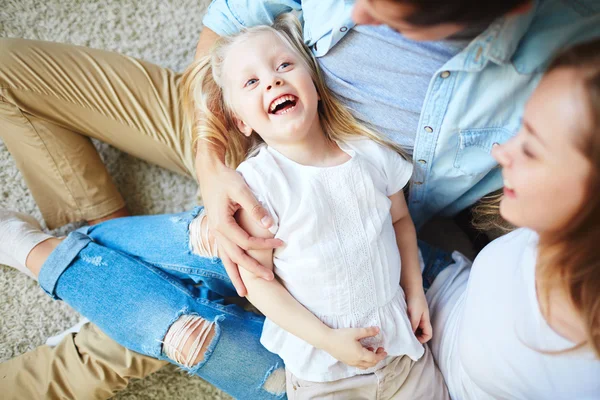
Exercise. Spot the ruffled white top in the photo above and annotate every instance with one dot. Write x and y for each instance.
(341, 260)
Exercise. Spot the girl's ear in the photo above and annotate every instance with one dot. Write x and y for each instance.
(243, 127)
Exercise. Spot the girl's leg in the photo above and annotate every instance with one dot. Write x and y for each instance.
(153, 312)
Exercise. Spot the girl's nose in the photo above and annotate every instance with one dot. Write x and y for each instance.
(276, 82)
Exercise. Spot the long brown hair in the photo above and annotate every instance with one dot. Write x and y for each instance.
(208, 111)
(570, 261)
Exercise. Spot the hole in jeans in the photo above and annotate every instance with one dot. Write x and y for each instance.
(188, 339)
(202, 242)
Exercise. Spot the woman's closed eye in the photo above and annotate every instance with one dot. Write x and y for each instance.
(527, 151)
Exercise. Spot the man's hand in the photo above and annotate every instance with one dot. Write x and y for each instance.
(418, 313)
(344, 345)
(224, 191)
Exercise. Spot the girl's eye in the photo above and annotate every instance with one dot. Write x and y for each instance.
(250, 82)
(283, 66)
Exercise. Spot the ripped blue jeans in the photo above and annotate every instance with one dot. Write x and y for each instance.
(135, 277)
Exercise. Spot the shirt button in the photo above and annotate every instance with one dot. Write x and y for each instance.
(343, 29)
(445, 74)
(428, 129)
(421, 161)
(418, 183)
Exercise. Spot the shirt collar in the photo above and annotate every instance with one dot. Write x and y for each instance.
(497, 43)
(506, 34)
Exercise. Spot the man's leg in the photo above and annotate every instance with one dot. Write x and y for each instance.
(86, 365)
(54, 97)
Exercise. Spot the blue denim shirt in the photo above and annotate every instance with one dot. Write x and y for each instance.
(474, 100)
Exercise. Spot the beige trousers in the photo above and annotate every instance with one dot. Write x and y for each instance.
(403, 378)
(53, 98)
(84, 366)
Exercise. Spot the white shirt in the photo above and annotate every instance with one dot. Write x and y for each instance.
(489, 333)
(341, 260)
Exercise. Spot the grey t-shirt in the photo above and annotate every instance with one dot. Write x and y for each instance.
(383, 77)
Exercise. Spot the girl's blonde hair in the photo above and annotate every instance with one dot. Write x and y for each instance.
(570, 260)
(209, 113)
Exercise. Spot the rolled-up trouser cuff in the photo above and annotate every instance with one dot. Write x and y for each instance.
(59, 260)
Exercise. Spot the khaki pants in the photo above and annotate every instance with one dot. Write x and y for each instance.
(53, 98)
(84, 366)
(403, 378)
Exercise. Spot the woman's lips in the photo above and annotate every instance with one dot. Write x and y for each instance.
(508, 189)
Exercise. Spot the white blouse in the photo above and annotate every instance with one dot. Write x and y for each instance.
(490, 339)
(340, 258)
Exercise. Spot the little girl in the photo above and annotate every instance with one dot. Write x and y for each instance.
(334, 190)
(347, 314)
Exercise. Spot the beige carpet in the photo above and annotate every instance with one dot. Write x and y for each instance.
(164, 32)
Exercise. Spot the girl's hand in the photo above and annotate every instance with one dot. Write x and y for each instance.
(344, 345)
(418, 313)
(224, 191)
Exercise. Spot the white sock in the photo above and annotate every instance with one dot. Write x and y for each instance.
(19, 234)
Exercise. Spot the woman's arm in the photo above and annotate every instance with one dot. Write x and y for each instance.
(410, 277)
(277, 304)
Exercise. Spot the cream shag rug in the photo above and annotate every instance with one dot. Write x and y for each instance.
(164, 32)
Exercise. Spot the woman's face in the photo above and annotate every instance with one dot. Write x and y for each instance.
(545, 173)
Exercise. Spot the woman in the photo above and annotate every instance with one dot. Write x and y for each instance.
(524, 321)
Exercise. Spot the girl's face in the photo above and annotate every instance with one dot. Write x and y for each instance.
(270, 89)
(545, 174)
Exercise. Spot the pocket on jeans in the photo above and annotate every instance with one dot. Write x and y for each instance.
(473, 156)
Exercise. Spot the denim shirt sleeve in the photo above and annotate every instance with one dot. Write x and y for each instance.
(227, 17)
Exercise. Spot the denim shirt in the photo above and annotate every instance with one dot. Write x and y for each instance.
(473, 101)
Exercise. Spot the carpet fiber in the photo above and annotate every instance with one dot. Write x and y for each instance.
(164, 32)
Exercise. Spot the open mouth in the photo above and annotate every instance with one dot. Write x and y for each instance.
(283, 104)
(508, 189)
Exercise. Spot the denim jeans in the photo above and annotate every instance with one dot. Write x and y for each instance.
(135, 276)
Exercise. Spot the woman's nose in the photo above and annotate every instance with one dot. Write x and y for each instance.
(501, 154)
(276, 82)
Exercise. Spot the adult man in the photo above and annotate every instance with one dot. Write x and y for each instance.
(448, 101)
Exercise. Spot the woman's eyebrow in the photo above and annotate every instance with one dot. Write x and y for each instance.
(532, 132)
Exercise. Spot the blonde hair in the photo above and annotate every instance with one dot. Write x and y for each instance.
(570, 260)
(207, 110)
